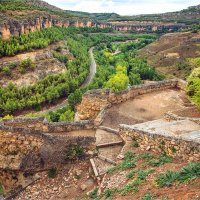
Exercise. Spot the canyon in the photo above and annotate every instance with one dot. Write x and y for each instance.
(16, 28)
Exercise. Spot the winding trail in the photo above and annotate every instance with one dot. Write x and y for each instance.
(93, 69)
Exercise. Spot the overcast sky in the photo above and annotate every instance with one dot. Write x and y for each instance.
(124, 7)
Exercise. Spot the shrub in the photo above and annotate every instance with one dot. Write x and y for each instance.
(193, 88)
(74, 152)
(148, 196)
(93, 194)
(75, 98)
(161, 161)
(1, 189)
(109, 192)
(8, 117)
(118, 82)
(187, 173)
(131, 186)
(52, 173)
(6, 71)
(25, 65)
(131, 174)
(127, 163)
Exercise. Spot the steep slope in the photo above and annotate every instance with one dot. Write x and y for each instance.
(173, 54)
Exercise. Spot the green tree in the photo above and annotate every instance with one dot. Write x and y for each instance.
(118, 82)
(193, 88)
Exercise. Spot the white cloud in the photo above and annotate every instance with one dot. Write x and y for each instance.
(124, 7)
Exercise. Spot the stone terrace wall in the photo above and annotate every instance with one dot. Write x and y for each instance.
(95, 101)
(191, 114)
(31, 150)
(42, 124)
(175, 147)
(28, 150)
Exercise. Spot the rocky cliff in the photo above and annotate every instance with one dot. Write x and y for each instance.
(16, 27)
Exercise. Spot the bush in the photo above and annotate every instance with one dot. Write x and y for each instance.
(134, 79)
(148, 196)
(161, 161)
(75, 98)
(93, 194)
(6, 71)
(187, 173)
(1, 189)
(118, 82)
(26, 65)
(193, 88)
(52, 173)
(74, 152)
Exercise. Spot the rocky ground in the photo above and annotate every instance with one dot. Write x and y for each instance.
(77, 182)
(72, 182)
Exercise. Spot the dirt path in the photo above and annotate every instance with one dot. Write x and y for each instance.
(93, 69)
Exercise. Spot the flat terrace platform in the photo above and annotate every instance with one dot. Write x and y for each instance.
(183, 129)
(145, 108)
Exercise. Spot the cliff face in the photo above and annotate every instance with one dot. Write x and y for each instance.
(146, 26)
(16, 28)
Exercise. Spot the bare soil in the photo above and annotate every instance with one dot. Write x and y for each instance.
(184, 191)
(171, 49)
(65, 186)
(144, 108)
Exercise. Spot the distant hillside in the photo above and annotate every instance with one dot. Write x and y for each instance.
(22, 9)
(97, 16)
(188, 16)
(174, 54)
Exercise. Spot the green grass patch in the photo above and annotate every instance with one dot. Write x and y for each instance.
(160, 161)
(127, 163)
(1, 189)
(148, 196)
(131, 174)
(142, 175)
(145, 156)
(187, 173)
(93, 194)
(134, 185)
(109, 192)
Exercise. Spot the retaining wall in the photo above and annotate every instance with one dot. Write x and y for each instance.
(95, 101)
(42, 124)
(172, 146)
(26, 148)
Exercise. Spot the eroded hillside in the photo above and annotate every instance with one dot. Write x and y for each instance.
(173, 53)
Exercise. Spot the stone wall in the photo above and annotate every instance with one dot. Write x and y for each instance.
(95, 101)
(31, 145)
(42, 124)
(172, 146)
(179, 115)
